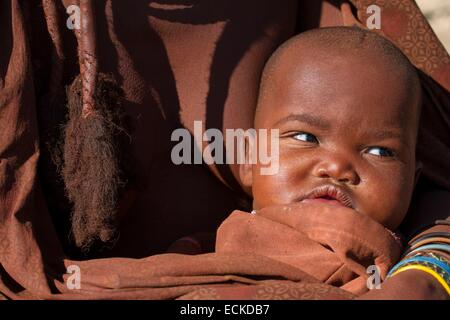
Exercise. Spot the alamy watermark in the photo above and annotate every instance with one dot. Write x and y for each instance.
(374, 280)
(372, 22)
(374, 19)
(74, 280)
(74, 19)
(237, 146)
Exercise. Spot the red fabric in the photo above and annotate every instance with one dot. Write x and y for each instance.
(306, 249)
(335, 249)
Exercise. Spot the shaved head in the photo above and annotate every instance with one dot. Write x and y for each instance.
(337, 46)
(346, 104)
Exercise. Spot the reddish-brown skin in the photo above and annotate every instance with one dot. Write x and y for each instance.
(337, 130)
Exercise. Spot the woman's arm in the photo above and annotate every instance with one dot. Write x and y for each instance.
(408, 285)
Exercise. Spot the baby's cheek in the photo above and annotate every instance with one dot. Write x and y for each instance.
(389, 198)
(273, 189)
(265, 192)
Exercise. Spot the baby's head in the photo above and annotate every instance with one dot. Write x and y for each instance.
(347, 105)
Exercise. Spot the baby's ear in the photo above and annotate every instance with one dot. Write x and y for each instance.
(419, 167)
(245, 169)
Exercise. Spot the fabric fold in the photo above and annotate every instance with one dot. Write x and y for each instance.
(334, 249)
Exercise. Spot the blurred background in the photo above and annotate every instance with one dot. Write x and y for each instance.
(438, 14)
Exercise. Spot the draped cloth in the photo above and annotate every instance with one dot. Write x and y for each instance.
(246, 264)
(286, 252)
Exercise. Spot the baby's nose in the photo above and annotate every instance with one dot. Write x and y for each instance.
(338, 168)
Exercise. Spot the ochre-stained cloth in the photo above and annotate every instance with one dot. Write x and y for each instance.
(32, 261)
(336, 251)
(286, 252)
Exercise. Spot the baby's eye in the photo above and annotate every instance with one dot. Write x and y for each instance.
(381, 152)
(306, 137)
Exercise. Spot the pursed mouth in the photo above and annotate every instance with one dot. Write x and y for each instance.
(329, 193)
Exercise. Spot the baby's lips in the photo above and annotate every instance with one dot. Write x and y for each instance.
(329, 193)
(333, 202)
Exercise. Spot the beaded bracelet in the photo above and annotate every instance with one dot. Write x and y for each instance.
(418, 256)
(431, 254)
(444, 236)
(431, 272)
(430, 238)
(433, 246)
(433, 264)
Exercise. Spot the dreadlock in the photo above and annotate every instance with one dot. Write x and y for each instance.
(86, 141)
(92, 145)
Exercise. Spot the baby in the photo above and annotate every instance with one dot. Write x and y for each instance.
(347, 105)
